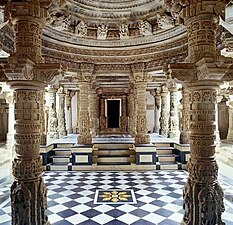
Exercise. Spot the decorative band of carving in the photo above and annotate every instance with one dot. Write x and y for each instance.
(200, 170)
(27, 138)
(24, 170)
(205, 127)
(27, 128)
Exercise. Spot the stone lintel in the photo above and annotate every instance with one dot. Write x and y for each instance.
(204, 69)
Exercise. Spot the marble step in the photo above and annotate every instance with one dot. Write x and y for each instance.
(158, 145)
(61, 159)
(114, 158)
(58, 166)
(164, 151)
(62, 151)
(167, 158)
(113, 152)
(113, 163)
(109, 146)
(169, 165)
(64, 145)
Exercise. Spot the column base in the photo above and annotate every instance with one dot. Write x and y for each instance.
(84, 139)
(142, 139)
(184, 138)
(69, 131)
(175, 135)
(62, 134)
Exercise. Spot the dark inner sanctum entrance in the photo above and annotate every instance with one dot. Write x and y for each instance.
(113, 113)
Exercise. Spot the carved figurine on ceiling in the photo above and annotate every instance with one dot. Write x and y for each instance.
(81, 29)
(174, 7)
(124, 31)
(102, 32)
(145, 28)
(59, 21)
(165, 21)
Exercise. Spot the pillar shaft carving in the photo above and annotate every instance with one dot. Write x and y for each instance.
(174, 132)
(93, 111)
(52, 120)
(61, 113)
(68, 99)
(11, 123)
(164, 119)
(131, 110)
(141, 121)
(83, 117)
(185, 116)
(230, 129)
(155, 93)
(42, 121)
(28, 25)
(201, 19)
(28, 191)
(203, 196)
(140, 79)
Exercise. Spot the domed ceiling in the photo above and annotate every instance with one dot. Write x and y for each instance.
(110, 19)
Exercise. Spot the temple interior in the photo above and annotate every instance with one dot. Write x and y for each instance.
(116, 112)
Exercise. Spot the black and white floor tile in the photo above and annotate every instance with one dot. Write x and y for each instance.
(154, 197)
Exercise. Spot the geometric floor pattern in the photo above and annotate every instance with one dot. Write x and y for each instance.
(158, 194)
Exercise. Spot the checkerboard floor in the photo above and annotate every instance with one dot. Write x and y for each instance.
(158, 198)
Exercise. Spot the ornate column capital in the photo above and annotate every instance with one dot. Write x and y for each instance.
(202, 70)
(138, 73)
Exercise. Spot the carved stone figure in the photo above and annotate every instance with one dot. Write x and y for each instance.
(145, 28)
(124, 31)
(102, 32)
(21, 198)
(81, 29)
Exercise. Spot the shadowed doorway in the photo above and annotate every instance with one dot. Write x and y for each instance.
(113, 113)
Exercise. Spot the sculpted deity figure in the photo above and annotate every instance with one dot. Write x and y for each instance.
(124, 31)
(102, 32)
(164, 21)
(145, 28)
(81, 29)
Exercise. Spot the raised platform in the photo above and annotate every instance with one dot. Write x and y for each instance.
(114, 152)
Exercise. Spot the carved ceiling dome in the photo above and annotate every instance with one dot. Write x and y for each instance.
(110, 19)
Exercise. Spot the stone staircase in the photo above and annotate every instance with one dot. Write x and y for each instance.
(61, 158)
(113, 154)
(167, 159)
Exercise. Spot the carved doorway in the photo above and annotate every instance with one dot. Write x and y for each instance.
(113, 113)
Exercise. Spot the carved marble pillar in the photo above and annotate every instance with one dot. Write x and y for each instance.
(185, 116)
(11, 123)
(42, 121)
(61, 113)
(28, 191)
(78, 106)
(27, 75)
(174, 132)
(156, 94)
(69, 112)
(230, 129)
(124, 116)
(52, 119)
(85, 80)
(131, 110)
(84, 118)
(140, 79)
(164, 119)
(93, 112)
(203, 196)
(141, 121)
